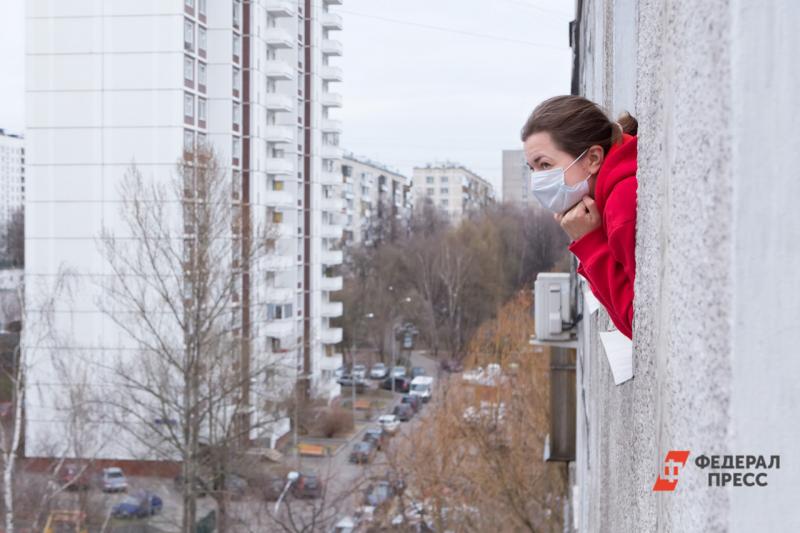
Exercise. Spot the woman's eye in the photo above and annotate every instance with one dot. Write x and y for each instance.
(545, 166)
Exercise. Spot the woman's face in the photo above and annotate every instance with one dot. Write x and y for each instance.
(541, 153)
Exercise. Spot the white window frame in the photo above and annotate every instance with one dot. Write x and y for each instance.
(188, 30)
(188, 66)
(201, 109)
(188, 105)
(202, 73)
(202, 39)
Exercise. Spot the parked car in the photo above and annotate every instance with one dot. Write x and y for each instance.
(400, 384)
(359, 372)
(307, 486)
(201, 487)
(378, 371)
(74, 476)
(339, 372)
(389, 423)
(113, 479)
(404, 412)
(377, 436)
(399, 372)
(362, 452)
(138, 505)
(414, 401)
(417, 371)
(378, 493)
(349, 381)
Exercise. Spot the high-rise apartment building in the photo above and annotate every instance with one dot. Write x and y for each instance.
(12, 176)
(516, 178)
(115, 83)
(453, 188)
(376, 200)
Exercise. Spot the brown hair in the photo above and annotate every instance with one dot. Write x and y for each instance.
(576, 123)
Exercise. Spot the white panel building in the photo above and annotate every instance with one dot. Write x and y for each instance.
(12, 175)
(111, 83)
(453, 188)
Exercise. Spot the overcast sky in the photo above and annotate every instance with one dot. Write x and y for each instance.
(425, 80)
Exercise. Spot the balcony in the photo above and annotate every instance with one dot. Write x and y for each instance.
(279, 134)
(331, 100)
(279, 199)
(331, 204)
(279, 38)
(330, 151)
(327, 177)
(329, 73)
(283, 229)
(280, 295)
(331, 47)
(331, 231)
(331, 336)
(330, 362)
(276, 69)
(331, 309)
(333, 2)
(279, 166)
(278, 263)
(332, 257)
(280, 328)
(331, 21)
(279, 102)
(331, 126)
(331, 284)
(280, 8)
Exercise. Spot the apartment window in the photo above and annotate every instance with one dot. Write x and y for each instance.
(277, 217)
(202, 76)
(201, 139)
(237, 80)
(237, 148)
(201, 109)
(445, 202)
(237, 46)
(202, 39)
(188, 35)
(188, 69)
(188, 140)
(237, 115)
(201, 6)
(237, 13)
(431, 191)
(189, 3)
(277, 186)
(188, 106)
(429, 179)
(444, 190)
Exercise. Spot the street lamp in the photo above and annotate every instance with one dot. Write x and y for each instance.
(291, 477)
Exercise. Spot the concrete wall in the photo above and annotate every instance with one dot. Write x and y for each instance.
(715, 336)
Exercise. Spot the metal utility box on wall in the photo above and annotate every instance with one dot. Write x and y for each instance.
(552, 306)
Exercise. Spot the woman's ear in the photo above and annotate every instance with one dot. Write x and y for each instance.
(594, 158)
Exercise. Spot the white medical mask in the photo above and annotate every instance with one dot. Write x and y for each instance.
(552, 191)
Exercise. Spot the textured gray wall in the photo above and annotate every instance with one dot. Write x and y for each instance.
(716, 358)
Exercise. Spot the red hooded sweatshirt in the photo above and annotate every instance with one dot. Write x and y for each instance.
(606, 254)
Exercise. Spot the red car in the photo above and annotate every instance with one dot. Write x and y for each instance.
(74, 476)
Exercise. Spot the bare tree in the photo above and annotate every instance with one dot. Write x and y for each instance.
(180, 269)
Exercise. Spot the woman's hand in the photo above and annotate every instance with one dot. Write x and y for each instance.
(581, 219)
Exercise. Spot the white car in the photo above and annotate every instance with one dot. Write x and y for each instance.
(399, 372)
(389, 423)
(378, 371)
(339, 372)
(113, 480)
(359, 372)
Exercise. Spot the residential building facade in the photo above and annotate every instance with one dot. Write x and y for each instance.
(714, 349)
(516, 178)
(111, 83)
(452, 188)
(375, 200)
(12, 175)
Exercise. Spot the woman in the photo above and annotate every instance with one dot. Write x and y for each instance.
(584, 170)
